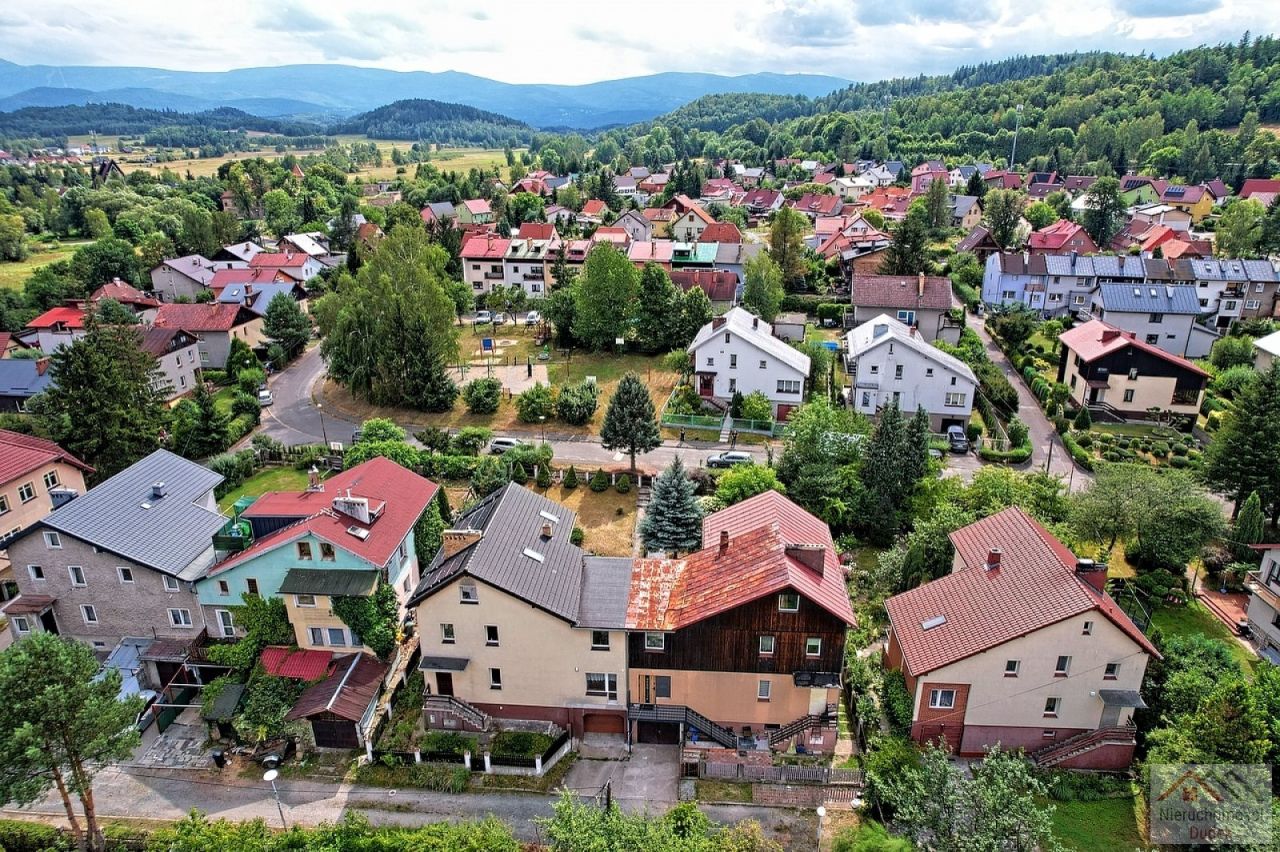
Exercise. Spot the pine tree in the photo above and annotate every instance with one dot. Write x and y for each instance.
(1245, 454)
(205, 432)
(570, 481)
(917, 446)
(906, 255)
(630, 424)
(673, 519)
(599, 482)
(885, 471)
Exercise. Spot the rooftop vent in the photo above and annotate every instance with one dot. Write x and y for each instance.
(157, 490)
(930, 623)
(359, 532)
(534, 555)
(547, 529)
(993, 559)
(352, 507)
(61, 496)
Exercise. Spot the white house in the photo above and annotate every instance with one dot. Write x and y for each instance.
(889, 361)
(1266, 351)
(738, 353)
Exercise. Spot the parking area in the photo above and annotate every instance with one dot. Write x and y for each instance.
(180, 746)
(648, 778)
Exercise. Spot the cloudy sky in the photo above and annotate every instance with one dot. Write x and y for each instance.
(578, 41)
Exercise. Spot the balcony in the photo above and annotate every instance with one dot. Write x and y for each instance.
(234, 537)
(1261, 589)
(532, 276)
(493, 276)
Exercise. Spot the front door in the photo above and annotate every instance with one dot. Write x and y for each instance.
(646, 688)
(48, 622)
(706, 384)
(1110, 716)
(444, 683)
(1096, 395)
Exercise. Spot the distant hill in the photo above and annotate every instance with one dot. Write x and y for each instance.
(433, 121)
(120, 119)
(345, 89)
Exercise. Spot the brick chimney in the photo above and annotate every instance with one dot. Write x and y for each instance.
(42, 364)
(812, 556)
(1093, 574)
(724, 541)
(920, 285)
(993, 559)
(456, 541)
(717, 323)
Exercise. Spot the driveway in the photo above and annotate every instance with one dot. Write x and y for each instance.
(649, 778)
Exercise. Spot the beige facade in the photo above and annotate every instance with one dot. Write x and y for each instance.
(733, 698)
(25, 500)
(1127, 394)
(316, 627)
(541, 660)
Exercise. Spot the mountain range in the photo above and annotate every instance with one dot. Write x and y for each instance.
(321, 92)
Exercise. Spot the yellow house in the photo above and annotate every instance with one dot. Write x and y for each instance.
(308, 597)
(1196, 200)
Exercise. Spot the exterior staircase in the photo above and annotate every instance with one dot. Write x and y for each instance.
(725, 428)
(1056, 753)
(468, 713)
(805, 723)
(687, 715)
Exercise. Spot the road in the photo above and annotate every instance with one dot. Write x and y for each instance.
(296, 418)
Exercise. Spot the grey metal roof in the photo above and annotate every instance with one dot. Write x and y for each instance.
(1113, 266)
(443, 664)
(1064, 264)
(511, 522)
(22, 378)
(1259, 270)
(1149, 298)
(166, 533)
(1121, 698)
(606, 587)
(328, 581)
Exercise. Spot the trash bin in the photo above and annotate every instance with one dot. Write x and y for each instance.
(219, 758)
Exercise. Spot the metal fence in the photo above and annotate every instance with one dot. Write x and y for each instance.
(781, 774)
(696, 421)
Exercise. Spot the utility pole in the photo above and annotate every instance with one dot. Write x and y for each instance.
(1017, 123)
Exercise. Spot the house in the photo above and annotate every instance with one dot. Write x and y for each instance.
(474, 211)
(1000, 179)
(119, 560)
(790, 327)
(857, 244)
(814, 205)
(733, 257)
(58, 327)
(233, 205)
(236, 254)
(653, 251)
(338, 706)
(182, 276)
(1194, 200)
(689, 225)
(966, 211)
(979, 243)
(1160, 315)
(177, 364)
(743, 639)
(926, 173)
(525, 265)
(143, 306)
(1264, 602)
(738, 353)
(1062, 237)
(624, 185)
(535, 185)
(297, 265)
(439, 212)
(35, 477)
(1137, 189)
(482, 261)
(215, 326)
(257, 297)
(368, 235)
(1266, 351)
(518, 622)
(1111, 371)
(1263, 190)
(1231, 289)
(721, 286)
(881, 176)
(593, 212)
(888, 363)
(922, 301)
(224, 278)
(1020, 646)
(720, 232)
(21, 379)
(312, 243)
(341, 537)
(762, 202)
(638, 228)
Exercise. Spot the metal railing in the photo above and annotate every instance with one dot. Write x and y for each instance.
(458, 707)
(680, 713)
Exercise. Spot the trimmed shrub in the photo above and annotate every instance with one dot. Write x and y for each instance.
(1159, 449)
(1060, 425)
(543, 477)
(535, 403)
(599, 482)
(1015, 456)
(1079, 455)
(623, 485)
(215, 377)
(482, 396)
(1179, 461)
(1085, 440)
(246, 405)
(577, 403)
(21, 836)
(519, 474)
(576, 537)
(1083, 420)
(570, 480)
(973, 432)
(250, 379)
(1180, 449)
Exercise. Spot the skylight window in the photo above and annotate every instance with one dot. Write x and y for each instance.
(534, 555)
(930, 623)
(550, 517)
(359, 532)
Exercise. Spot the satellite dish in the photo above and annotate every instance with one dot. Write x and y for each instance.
(271, 775)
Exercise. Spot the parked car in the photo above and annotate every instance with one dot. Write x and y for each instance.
(498, 446)
(956, 440)
(729, 459)
(147, 714)
(499, 319)
(483, 317)
(532, 318)
(265, 398)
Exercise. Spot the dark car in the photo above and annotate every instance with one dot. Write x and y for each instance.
(729, 459)
(956, 440)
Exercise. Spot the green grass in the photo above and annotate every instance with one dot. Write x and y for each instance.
(1105, 825)
(223, 398)
(1194, 619)
(14, 274)
(271, 479)
(711, 790)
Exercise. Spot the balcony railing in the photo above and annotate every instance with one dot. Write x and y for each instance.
(234, 537)
(1260, 587)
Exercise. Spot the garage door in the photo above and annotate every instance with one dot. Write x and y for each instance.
(332, 733)
(604, 723)
(658, 733)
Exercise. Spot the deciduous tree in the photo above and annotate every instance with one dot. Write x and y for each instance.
(762, 290)
(1104, 211)
(786, 246)
(285, 323)
(1001, 213)
(604, 297)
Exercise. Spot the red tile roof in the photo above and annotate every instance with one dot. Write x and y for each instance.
(1055, 236)
(720, 285)
(64, 315)
(1096, 338)
(668, 594)
(347, 692)
(1035, 586)
(699, 213)
(278, 259)
(593, 207)
(21, 454)
(821, 205)
(761, 198)
(721, 232)
(485, 246)
(538, 231)
(1255, 185)
(206, 317)
(901, 291)
(223, 277)
(125, 294)
(403, 494)
(477, 206)
(295, 662)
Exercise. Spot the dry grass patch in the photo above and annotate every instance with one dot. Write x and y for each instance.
(608, 519)
(13, 274)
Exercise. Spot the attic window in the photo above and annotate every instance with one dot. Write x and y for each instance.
(550, 517)
(930, 623)
(534, 555)
(359, 532)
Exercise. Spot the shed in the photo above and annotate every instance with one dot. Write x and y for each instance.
(790, 327)
(337, 705)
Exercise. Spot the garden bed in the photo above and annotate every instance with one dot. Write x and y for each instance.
(1144, 443)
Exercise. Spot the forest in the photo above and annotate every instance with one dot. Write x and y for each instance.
(121, 120)
(435, 121)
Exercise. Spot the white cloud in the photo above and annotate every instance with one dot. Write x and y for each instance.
(578, 41)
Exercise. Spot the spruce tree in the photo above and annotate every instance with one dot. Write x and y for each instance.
(885, 473)
(673, 519)
(917, 446)
(570, 480)
(1245, 454)
(630, 424)
(1248, 528)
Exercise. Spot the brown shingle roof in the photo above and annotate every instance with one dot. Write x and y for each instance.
(901, 291)
(203, 317)
(350, 687)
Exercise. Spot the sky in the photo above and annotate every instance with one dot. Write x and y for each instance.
(581, 41)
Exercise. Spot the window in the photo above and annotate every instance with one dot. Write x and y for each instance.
(813, 647)
(77, 575)
(897, 372)
(711, 362)
(224, 588)
(26, 492)
(1128, 395)
(1156, 317)
(788, 386)
(170, 583)
(733, 361)
(1073, 382)
(89, 614)
(52, 540)
(1077, 300)
(942, 699)
(875, 368)
(337, 636)
(733, 385)
(764, 690)
(180, 617)
(125, 574)
(909, 317)
(726, 337)
(4, 504)
(304, 551)
(251, 585)
(1273, 572)
(21, 624)
(1153, 339)
(51, 480)
(897, 397)
(1111, 672)
(1229, 305)
(928, 372)
(491, 634)
(467, 593)
(304, 600)
(1063, 666)
(317, 635)
(446, 634)
(599, 683)
(1087, 630)
(495, 678)
(1133, 374)
(1049, 734)
(954, 399)
(655, 641)
(764, 365)
(767, 644)
(1251, 304)
(788, 602)
(599, 640)
(226, 622)
(36, 572)
(1011, 667)
(866, 399)
(1051, 706)
(326, 552)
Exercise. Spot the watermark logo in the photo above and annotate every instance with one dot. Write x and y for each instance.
(1197, 803)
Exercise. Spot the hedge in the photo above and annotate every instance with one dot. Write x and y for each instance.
(1014, 456)
(19, 836)
(449, 467)
(1079, 454)
(805, 302)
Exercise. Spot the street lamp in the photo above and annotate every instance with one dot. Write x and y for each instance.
(822, 812)
(323, 433)
(1017, 123)
(542, 421)
(271, 775)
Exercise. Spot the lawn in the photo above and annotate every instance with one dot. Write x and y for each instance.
(1105, 825)
(1129, 430)
(711, 790)
(1195, 619)
(608, 519)
(269, 479)
(13, 274)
